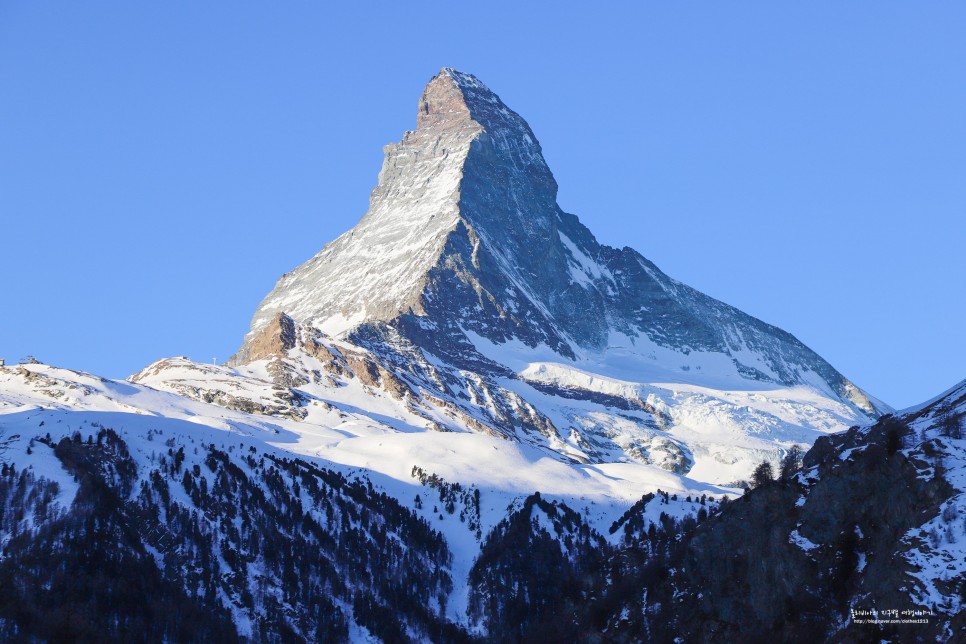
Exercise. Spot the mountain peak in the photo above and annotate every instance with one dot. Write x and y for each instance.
(470, 159)
(464, 238)
(453, 98)
(444, 101)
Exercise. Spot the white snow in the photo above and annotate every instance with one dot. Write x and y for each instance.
(797, 539)
(729, 423)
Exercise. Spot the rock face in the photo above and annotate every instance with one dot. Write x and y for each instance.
(277, 337)
(464, 261)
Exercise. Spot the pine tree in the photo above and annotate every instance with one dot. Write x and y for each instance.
(792, 462)
(763, 474)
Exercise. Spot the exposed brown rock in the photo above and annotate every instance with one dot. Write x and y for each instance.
(375, 375)
(274, 340)
(442, 103)
(287, 406)
(283, 375)
(333, 363)
(396, 387)
(363, 368)
(463, 417)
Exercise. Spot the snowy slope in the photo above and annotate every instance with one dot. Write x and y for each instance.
(382, 443)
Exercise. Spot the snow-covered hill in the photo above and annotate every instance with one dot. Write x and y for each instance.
(461, 484)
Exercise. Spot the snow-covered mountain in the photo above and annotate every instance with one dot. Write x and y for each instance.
(468, 297)
(464, 241)
(460, 396)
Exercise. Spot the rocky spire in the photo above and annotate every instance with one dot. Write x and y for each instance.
(379, 269)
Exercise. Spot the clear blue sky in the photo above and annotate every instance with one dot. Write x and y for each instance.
(162, 164)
